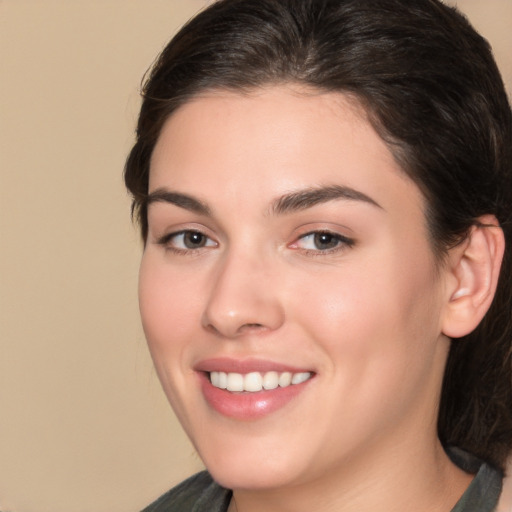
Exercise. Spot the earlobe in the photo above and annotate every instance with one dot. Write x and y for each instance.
(474, 268)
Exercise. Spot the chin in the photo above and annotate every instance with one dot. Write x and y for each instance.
(252, 467)
(251, 477)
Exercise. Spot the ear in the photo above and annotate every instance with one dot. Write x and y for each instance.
(473, 269)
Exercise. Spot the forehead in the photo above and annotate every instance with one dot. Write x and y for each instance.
(275, 140)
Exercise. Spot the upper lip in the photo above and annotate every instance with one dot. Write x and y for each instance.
(226, 364)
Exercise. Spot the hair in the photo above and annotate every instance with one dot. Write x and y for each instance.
(432, 91)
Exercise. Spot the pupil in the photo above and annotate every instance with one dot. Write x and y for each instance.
(325, 241)
(193, 240)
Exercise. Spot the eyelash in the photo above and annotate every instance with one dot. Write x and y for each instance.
(167, 239)
(342, 242)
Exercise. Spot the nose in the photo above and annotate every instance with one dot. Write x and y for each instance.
(243, 298)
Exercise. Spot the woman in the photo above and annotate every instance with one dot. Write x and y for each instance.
(324, 193)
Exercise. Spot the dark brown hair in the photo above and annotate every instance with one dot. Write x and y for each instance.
(433, 92)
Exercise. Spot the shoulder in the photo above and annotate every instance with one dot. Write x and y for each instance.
(484, 491)
(196, 494)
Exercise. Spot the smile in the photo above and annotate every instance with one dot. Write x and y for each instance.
(250, 389)
(254, 382)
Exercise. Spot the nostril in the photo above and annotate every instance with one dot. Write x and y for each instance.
(244, 328)
(251, 327)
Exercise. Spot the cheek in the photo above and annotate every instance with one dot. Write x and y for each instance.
(377, 331)
(379, 311)
(169, 318)
(166, 304)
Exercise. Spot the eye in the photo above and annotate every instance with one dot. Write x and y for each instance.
(322, 241)
(186, 241)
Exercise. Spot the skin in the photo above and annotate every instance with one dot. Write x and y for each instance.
(366, 316)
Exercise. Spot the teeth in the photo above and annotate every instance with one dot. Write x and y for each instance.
(285, 379)
(214, 379)
(271, 380)
(235, 382)
(223, 380)
(300, 377)
(255, 381)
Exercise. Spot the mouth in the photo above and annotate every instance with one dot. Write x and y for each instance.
(251, 389)
(253, 382)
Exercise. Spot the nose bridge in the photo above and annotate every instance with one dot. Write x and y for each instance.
(243, 296)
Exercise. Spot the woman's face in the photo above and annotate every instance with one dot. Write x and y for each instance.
(285, 243)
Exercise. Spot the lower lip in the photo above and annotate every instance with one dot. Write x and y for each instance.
(247, 405)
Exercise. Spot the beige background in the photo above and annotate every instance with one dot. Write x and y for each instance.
(84, 426)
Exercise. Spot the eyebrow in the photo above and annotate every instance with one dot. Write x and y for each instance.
(163, 195)
(288, 203)
(307, 198)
